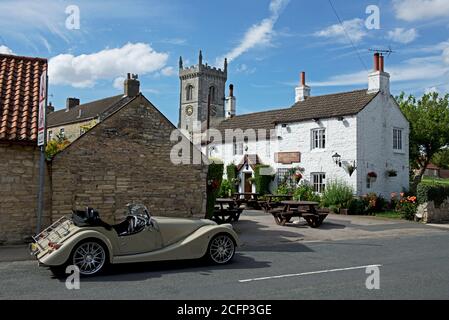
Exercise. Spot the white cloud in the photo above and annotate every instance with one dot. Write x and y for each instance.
(355, 29)
(414, 10)
(33, 18)
(259, 34)
(5, 50)
(243, 68)
(168, 71)
(84, 70)
(431, 69)
(118, 83)
(446, 55)
(402, 36)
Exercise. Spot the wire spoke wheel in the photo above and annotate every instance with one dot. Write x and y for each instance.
(221, 249)
(89, 257)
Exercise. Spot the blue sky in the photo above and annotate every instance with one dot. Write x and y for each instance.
(268, 42)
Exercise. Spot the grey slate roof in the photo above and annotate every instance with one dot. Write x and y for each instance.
(90, 110)
(325, 106)
(328, 106)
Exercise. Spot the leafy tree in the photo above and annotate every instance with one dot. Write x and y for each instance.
(441, 159)
(429, 123)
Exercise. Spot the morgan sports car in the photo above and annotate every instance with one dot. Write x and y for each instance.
(86, 241)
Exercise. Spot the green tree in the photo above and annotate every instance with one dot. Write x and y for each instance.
(441, 159)
(429, 123)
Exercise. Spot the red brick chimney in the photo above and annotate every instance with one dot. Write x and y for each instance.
(381, 63)
(303, 91)
(376, 61)
(379, 80)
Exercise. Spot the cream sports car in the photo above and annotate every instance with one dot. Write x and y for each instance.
(84, 240)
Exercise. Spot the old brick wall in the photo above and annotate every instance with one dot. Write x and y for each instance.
(19, 180)
(127, 158)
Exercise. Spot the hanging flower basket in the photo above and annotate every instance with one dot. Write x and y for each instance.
(372, 174)
(350, 169)
(213, 184)
(297, 176)
(392, 173)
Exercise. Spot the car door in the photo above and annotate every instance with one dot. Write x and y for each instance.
(147, 240)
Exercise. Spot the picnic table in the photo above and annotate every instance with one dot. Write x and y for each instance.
(270, 203)
(248, 198)
(303, 209)
(227, 210)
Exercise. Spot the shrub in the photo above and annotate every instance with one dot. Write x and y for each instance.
(357, 206)
(284, 189)
(231, 173)
(337, 195)
(306, 193)
(226, 189)
(432, 192)
(262, 181)
(407, 207)
(214, 178)
(56, 145)
(374, 202)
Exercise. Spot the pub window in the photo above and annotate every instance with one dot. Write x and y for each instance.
(319, 182)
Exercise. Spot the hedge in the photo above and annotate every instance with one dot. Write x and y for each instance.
(262, 181)
(428, 192)
(214, 178)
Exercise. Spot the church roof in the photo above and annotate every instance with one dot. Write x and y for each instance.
(86, 111)
(314, 107)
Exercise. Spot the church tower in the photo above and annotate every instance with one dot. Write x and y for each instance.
(196, 84)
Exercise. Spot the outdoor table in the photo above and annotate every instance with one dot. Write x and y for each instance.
(226, 215)
(249, 198)
(270, 204)
(312, 215)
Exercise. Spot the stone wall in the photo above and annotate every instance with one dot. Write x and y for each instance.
(127, 158)
(428, 213)
(19, 181)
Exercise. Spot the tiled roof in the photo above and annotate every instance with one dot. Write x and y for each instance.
(19, 97)
(257, 120)
(328, 106)
(86, 111)
(325, 106)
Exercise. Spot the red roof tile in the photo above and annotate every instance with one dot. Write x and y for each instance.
(19, 96)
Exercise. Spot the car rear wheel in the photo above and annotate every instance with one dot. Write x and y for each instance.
(89, 257)
(221, 249)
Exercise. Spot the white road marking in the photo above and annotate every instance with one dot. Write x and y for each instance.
(309, 273)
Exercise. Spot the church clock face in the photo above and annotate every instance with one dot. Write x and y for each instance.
(189, 110)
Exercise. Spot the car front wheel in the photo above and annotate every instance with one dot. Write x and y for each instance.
(89, 257)
(221, 249)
